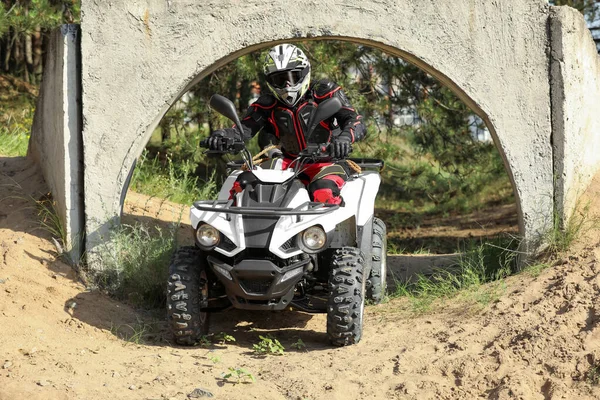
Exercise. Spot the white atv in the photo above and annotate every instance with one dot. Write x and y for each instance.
(271, 247)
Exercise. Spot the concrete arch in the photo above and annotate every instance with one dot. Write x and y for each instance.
(136, 149)
(493, 54)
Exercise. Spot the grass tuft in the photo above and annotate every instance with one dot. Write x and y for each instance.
(14, 137)
(592, 376)
(138, 333)
(536, 268)
(51, 223)
(237, 375)
(487, 262)
(561, 238)
(268, 345)
(134, 264)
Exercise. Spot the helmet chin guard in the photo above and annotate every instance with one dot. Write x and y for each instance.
(292, 94)
(287, 72)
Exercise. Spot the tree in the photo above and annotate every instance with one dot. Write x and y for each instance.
(589, 8)
(24, 25)
(3, 20)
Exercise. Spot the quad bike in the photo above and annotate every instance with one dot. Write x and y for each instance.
(270, 247)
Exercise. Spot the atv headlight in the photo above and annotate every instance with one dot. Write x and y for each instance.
(314, 238)
(207, 236)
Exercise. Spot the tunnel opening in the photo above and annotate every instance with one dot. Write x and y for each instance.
(445, 192)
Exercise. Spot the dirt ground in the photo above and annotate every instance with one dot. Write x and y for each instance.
(58, 340)
(447, 234)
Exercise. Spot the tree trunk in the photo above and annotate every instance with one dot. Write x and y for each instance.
(45, 44)
(29, 49)
(165, 129)
(8, 52)
(37, 54)
(28, 67)
(232, 90)
(2, 51)
(390, 121)
(17, 55)
(245, 92)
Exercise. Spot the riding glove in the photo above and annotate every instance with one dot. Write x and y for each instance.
(222, 138)
(341, 147)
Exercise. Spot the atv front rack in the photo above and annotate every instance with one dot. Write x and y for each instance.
(364, 163)
(227, 207)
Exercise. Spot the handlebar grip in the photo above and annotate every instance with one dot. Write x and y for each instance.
(317, 149)
(231, 145)
(237, 146)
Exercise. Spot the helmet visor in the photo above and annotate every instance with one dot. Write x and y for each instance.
(285, 79)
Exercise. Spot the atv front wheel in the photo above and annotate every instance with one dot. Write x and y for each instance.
(187, 288)
(377, 279)
(346, 303)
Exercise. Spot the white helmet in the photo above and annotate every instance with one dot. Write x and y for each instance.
(287, 70)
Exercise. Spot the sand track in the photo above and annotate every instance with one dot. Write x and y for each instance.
(61, 341)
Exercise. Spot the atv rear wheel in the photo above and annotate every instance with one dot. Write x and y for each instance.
(186, 290)
(346, 303)
(377, 279)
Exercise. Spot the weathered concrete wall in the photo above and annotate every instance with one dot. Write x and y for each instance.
(55, 142)
(575, 80)
(492, 53)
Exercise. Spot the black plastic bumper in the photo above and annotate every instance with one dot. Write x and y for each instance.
(258, 284)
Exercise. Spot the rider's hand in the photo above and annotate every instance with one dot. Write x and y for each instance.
(219, 139)
(341, 146)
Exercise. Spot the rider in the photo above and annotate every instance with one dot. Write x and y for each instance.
(282, 117)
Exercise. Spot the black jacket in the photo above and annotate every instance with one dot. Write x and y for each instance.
(286, 126)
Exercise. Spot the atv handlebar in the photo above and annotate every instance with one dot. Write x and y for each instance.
(317, 152)
(233, 146)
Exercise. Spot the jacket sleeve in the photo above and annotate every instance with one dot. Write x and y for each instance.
(267, 138)
(257, 117)
(349, 120)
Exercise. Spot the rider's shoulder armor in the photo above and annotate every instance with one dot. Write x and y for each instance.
(266, 102)
(324, 89)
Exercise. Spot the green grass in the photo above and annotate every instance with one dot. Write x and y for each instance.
(51, 223)
(536, 268)
(268, 345)
(477, 266)
(178, 170)
(299, 345)
(561, 237)
(173, 181)
(416, 189)
(238, 375)
(14, 137)
(592, 376)
(135, 263)
(414, 184)
(136, 333)
(16, 117)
